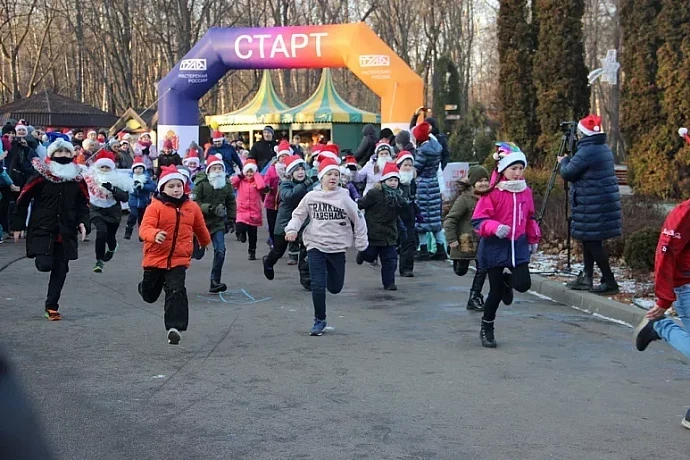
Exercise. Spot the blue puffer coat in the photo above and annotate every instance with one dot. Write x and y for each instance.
(596, 201)
(141, 197)
(426, 163)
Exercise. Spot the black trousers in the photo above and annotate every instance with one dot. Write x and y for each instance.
(58, 267)
(408, 247)
(250, 231)
(271, 217)
(593, 251)
(105, 234)
(519, 279)
(136, 215)
(278, 251)
(7, 198)
(176, 302)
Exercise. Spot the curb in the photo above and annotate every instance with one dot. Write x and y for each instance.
(587, 302)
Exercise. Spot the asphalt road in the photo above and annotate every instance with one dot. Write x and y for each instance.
(401, 376)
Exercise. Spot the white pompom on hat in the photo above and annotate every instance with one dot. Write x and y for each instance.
(683, 132)
(590, 125)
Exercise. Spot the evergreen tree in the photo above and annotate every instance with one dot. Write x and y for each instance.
(446, 88)
(517, 97)
(560, 73)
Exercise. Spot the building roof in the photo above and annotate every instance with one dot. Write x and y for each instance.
(327, 106)
(50, 109)
(263, 108)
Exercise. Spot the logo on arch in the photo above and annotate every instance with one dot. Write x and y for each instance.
(374, 60)
(193, 64)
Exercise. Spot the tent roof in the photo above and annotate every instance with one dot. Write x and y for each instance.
(327, 106)
(263, 108)
(49, 109)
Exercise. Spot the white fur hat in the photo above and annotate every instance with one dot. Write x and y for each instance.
(59, 144)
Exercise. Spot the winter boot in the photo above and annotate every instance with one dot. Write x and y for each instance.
(487, 334)
(606, 288)
(508, 289)
(476, 301)
(269, 273)
(440, 253)
(128, 232)
(582, 283)
(217, 286)
(645, 334)
(252, 255)
(423, 254)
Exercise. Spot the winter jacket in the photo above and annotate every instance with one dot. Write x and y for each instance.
(514, 209)
(291, 193)
(230, 156)
(595, 197)
(262, 152)
(181, 221)
(19, 163)
(440, 137)
(249, 199)
(272, 181)
(208, 200)
(367, 145)
(58, 207)
(410, 194)
(381, 218)
(369, 175)
(106, 205)
(148, 154)
(426, 163)
(141, 197)
(167, 160)
(124, 159)
(457, 226)
(672, 261)
(331, 217)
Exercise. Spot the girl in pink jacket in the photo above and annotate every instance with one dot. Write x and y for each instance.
(274, 175)
(249, 186)
(504, 219)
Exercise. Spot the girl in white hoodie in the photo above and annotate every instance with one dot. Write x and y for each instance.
(333, 222)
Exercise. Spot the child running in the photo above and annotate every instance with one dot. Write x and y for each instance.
(381, 206)
(460, 234)
(107, 188)
(504, 219)
(408, 240)
(291, 193)
(249, 186)
(140, 197)
(332, 216)
(169, 224)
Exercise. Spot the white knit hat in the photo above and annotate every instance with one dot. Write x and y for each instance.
(59, 144)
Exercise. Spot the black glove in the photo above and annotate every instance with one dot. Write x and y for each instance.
(230, 226)
(267, 189)
(220, 210)
(108, 186)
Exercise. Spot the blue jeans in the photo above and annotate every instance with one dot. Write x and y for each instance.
(327, 271)
(677, 336)
(439, 236)
(218, 239)
(389, 260)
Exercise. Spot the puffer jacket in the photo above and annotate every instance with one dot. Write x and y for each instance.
(595, 197)
(369, 175)
(426, 163)
(208, 200)
(249, 199)
(181, 221)
(291, 193)
(457, 226)
(229, 154)
(272, 181)
(514, 209)
(141, 197)
(147, 153)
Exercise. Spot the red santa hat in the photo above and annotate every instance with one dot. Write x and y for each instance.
(167, 144)
(191, 157)
(91, 132)
(217, 136)
(350, 162)
(390, 170)
(402, 156)
(421, 132)
(145, 134)
(683, 132)
(214, 160)
(169, 173)
(250, 164)
(330, 151)
(104, 158)
(292, 162)
(327, 164)
(590, 125)
(138, 163)
(283, 148)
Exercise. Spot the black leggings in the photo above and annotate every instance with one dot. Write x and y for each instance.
(250, 231)
(271, 217)
(519, 280)
(593, 251)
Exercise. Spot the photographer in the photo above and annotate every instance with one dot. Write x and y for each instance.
(596, 203)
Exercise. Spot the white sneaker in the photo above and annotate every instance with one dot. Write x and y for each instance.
(686, 421)
(174, 336)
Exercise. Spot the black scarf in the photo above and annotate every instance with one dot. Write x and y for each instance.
(394, 196)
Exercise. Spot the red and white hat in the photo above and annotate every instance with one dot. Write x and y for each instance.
(590, 125)
(104, 158)
(250, 164)
(191, 157)
(169, 173)
(421, 132)
(350, 162)
(93, 131)
(292, 162)
(217, 136)
(683, 132)
(22, 127)
(330, 151)
(390, 171)
(325, 165)
(402, 156)
(214, 160)
(138, 163)
(283, 148)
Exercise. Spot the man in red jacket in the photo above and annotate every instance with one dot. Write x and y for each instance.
(672, 283)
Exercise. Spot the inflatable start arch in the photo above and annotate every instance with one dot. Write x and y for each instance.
(354, 46)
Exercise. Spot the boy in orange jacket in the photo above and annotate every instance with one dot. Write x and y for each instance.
(169, 223)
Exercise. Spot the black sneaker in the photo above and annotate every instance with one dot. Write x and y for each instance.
(242, 237)
(686, 421)
(508, 289)
(360, 258)
(269, 273)
(128, 233)
(645, 334)
(391, 287)
(407, 274)
(606, 288)
(216, 287)
(108, 256)
(252, 255)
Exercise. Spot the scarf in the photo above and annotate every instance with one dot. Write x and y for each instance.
(513, 186)
(394, 197)
(177, 202)
(44, 170)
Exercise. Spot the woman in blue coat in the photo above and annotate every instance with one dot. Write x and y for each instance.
(596, 203)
